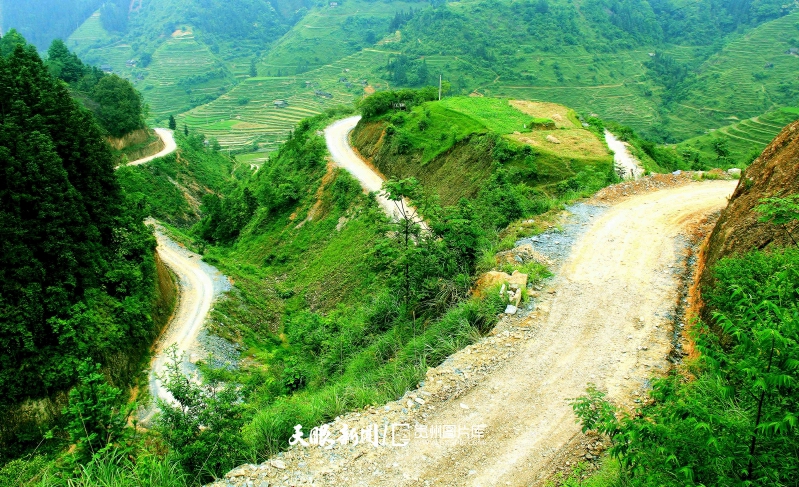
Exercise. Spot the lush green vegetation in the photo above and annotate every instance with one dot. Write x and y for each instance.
(182, 53)
(117, 106)
(669, 70)
(729, 418)
(456, 148)
(78, 275)
(738, 144)
(171, 189)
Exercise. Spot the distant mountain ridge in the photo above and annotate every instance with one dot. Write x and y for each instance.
(670, 69)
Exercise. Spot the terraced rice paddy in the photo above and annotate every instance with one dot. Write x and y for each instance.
(247, 114)
(613, 88)
(329, 34)
(751, 75)
(183, 74)
(747, 138)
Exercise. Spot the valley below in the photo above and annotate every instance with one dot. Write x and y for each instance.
(607, 318)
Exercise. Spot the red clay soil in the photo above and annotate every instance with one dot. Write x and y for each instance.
(774, 173)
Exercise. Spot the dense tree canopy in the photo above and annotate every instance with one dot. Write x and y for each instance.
(115, 102)
(76, 265)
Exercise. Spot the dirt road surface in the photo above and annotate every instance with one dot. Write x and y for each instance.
(338, 143)
(169, 147)
(624, 161)
(607, 319)
(199, 284)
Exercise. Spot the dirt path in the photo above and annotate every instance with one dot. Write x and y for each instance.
(199, 284)
(169, 147)
(606, 319)
(626, 165)
(338, 143)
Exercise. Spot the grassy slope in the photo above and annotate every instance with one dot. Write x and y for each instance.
(453, 155)
(172, 187)
(746, 139)
(736, 84)
(328, 34)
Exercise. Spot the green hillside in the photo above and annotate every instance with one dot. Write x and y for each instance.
(247, 114)
(184, 53)
(742, 141)
(454, 147)
(753, 74)
(671, 70)
(327, 34)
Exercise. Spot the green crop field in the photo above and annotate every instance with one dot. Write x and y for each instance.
(247, 114)
(746, 139)
(328, 34)
(751, 75)
(183, 74)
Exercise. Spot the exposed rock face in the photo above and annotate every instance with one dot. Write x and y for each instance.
(774, 173)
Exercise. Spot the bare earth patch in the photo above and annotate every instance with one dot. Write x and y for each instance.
(571, 142)
(557, 113)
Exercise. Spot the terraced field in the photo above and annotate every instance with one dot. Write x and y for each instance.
(752, 75)
(96, 46)
(613, 87)
(327, 34)
(247, 114)
(183, 74)
(745, 139)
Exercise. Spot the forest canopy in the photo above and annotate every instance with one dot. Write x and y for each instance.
(76, 262)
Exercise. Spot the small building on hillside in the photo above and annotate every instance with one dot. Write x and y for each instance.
(323, 94)
(106, 68)
(281, 103)
(334, 4)
(131, 63)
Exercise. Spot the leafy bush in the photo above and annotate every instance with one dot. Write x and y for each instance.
(735, 423)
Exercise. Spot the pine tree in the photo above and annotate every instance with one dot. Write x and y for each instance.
(172, 123)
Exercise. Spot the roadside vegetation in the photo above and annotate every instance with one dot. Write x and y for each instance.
(79, 271)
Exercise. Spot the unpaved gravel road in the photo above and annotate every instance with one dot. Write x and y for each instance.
(169, 147)
(622, 158)
(605, 319)
(198, 284)
(338, 143)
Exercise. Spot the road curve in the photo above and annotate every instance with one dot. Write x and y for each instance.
(198, 283)
(170, 146)
(624, 162)
(607, 323)
(606, 319)
(337, 136)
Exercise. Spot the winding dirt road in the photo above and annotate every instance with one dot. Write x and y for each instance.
(337, 136)
(625, 163)
(199, 284)
(607, 319)
(169, 147)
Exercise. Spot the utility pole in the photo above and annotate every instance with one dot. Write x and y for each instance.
(439, 87)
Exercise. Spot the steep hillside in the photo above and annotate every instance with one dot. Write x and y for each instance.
(263, 110)
(183, 53)
(774, 173)
(754, 73)
(456, 145)
(76, 261)
(328, 33)
(740, 143)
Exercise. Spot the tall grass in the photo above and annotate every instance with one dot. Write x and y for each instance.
(115, 468)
